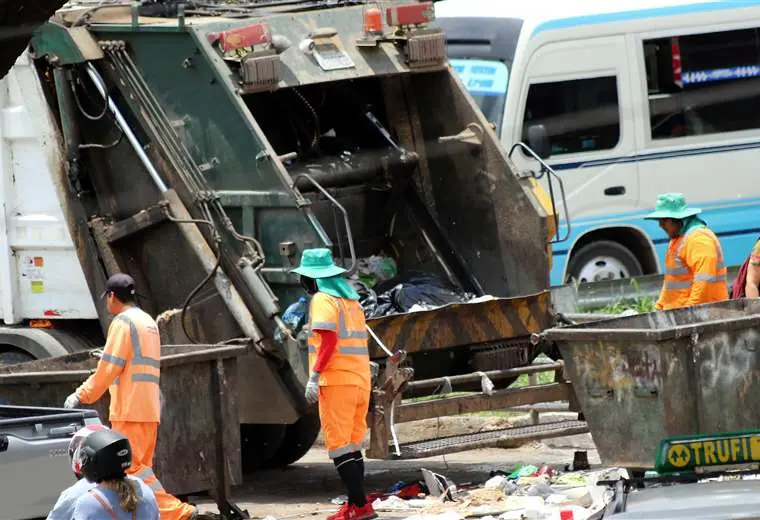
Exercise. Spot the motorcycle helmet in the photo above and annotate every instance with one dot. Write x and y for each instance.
(104, 455)
(76, 442)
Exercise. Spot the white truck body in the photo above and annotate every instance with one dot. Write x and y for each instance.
(40, 274)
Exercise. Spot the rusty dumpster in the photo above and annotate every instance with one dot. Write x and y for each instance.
(642, 378)
(199, 436)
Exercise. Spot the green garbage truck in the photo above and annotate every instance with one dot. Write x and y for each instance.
(202, 147)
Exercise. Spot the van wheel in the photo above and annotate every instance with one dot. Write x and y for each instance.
(603, 260)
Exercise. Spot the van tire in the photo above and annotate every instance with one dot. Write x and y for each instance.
(613, 261)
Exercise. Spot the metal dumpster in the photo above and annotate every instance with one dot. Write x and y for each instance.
(642, 378)
(199, 433)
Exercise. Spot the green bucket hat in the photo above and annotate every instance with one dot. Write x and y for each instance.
(318, 263)
(672, 205)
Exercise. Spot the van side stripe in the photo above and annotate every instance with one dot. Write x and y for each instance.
(670, 154)
(640, 14)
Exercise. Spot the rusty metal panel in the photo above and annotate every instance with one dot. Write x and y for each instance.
(642, 378)
(463, 324)
(185, 458)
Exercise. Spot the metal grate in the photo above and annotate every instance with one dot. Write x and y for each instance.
(503, 355)
(456, 443)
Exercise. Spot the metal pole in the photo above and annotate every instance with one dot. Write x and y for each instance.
(492, 374)
(380, 343)
(95, 77)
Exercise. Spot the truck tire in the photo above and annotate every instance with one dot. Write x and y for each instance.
(14, 356)
(603, 260)
(299, 438)
(259, 443)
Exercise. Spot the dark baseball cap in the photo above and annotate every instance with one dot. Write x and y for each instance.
(120, 284)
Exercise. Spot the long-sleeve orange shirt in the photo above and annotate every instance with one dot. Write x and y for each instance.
(129, 369)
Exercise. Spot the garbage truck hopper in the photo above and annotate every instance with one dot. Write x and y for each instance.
(233, 138)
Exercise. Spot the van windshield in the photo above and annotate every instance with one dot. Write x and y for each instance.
(486, 81)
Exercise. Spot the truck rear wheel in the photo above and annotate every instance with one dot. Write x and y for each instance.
(259, 443)
(299, 438)
(13, 356)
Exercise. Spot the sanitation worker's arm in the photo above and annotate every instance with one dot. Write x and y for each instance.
(117, 352)
(702, 261)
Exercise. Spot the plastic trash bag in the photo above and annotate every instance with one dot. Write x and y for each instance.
(294, 317)
(376, 269)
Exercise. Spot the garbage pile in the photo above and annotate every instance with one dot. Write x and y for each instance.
(527, 493)
(384, 291)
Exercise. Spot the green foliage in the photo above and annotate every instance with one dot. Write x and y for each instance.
(640, 304)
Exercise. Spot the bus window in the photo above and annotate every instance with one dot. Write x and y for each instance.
(703, 83)
(580, 115)
(486, 81)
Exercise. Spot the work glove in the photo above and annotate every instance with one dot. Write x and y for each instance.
(312, 389)
(71, 401)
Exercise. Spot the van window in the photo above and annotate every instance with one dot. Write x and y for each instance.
(704, 83)
(580, 115)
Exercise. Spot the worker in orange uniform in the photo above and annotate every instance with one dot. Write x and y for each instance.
(129, 369)
(695, 271)
(340, 373)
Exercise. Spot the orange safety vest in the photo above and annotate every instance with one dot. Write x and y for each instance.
(349, 365)
(129, 368)
(695, 271)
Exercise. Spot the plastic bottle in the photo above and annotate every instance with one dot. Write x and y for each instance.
(294, 317)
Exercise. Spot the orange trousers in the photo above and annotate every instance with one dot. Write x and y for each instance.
(343, 414)
(142, 438)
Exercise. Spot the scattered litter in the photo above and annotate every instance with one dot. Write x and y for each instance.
(479, 497)
(439, 485)
(339, 500)
(444, 515)
(540, 489)
(523, 471)
(390, 504)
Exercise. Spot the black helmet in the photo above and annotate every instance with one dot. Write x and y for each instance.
(104, 455)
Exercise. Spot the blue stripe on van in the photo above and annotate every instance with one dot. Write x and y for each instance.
(575, 21)
(657, 155)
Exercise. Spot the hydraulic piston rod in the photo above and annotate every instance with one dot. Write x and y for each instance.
(98, 81)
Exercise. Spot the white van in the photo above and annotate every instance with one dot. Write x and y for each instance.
(637, 98)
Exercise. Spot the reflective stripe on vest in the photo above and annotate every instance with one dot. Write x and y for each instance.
(137, 356)
(679, 278)
(150, 479)
(343, 334)
(350, 363)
